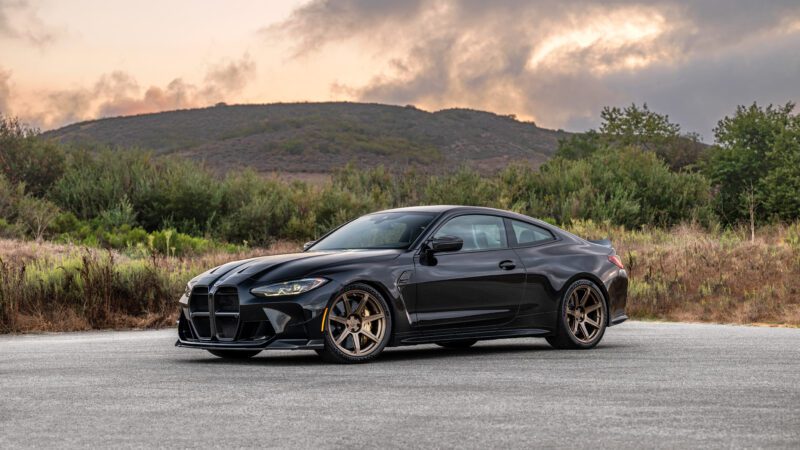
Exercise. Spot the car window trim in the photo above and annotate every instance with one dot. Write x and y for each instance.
(513, 235)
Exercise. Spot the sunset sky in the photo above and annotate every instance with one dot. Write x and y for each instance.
(554, 62)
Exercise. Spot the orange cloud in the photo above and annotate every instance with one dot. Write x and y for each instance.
(119, 94)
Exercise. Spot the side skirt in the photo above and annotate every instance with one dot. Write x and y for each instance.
(618, 320)
(413, 339)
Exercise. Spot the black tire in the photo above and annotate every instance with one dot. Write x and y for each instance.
(571, 315)
(460, 345)
(235, 354)
(336, 352)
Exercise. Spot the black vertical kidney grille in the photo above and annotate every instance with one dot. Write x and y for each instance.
(198, 312)
(226, 313)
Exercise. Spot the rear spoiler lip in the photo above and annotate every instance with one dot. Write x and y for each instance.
(603, 242)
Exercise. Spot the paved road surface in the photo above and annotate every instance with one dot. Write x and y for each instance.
(646, 385)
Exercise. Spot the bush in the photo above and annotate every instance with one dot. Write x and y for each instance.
(627, 187)
(255, 210)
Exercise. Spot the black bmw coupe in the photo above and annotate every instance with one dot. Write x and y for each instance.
(449, 275)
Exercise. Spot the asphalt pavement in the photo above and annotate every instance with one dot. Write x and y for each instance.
(646, 385)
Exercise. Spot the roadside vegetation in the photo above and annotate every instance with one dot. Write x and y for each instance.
(108, 238)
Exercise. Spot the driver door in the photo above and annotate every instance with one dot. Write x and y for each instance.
(480, 285)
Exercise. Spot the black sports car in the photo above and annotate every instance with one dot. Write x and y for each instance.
(450, 275)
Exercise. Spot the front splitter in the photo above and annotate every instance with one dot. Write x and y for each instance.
(275, 344)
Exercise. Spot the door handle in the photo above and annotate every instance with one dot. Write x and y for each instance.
(507, 265)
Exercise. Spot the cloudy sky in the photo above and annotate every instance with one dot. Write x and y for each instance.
(555, 62)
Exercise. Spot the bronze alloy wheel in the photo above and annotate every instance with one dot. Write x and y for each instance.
(585, 313)
(582, 320)
(357, 323)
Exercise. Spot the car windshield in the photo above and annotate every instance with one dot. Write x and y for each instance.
(384, 230)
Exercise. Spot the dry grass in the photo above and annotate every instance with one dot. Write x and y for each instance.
(684, 274)
(45, 287)
(688, 274)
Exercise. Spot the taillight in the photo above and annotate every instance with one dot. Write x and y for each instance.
(616, 261)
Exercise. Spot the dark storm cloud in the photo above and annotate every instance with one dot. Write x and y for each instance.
(560, 62)
(320, 22)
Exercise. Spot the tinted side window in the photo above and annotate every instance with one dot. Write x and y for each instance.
(477, 231)
(530, 234)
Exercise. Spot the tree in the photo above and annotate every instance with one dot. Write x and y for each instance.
(27, 158)
(757, 149)
(637, 127)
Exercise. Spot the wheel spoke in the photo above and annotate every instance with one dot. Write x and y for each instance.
(594, 307)
(574, 327)
(592, 322)
(584, 298)
(347, 307)
(338, 319)
(342, 337)
(357, 343)
(361, 304)
(584, 331)
(369, 335)
(571, 313)
(372, 318)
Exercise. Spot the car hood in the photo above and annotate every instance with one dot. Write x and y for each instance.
(286, 266)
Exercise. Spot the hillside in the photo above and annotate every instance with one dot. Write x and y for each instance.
(318, 137)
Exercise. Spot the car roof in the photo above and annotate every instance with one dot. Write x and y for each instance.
(445, 209)
(439, 209)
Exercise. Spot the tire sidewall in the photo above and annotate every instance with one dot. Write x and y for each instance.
(562, 314)
(332, 352)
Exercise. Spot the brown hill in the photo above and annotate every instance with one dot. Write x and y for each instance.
(318, 137)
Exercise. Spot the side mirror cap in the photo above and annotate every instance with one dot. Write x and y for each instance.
(445, 244)
(308, 244)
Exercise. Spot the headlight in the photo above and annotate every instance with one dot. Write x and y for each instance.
(289, 287)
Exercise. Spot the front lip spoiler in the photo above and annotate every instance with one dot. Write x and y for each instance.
(274, 344)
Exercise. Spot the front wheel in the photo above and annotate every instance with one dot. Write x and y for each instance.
(358, 325)
(235, 354)
(582, 317)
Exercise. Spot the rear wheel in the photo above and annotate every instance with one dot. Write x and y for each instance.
(582, 317)
(458, 344)
(358, 325)
(235, 354)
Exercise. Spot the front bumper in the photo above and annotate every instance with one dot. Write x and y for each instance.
(270, 344)
(230, 318)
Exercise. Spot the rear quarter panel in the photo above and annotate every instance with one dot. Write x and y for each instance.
(552, 267)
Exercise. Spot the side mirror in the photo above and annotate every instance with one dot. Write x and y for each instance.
(445, 244)
(308, 244)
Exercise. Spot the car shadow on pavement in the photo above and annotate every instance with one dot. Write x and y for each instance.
(398, 354)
